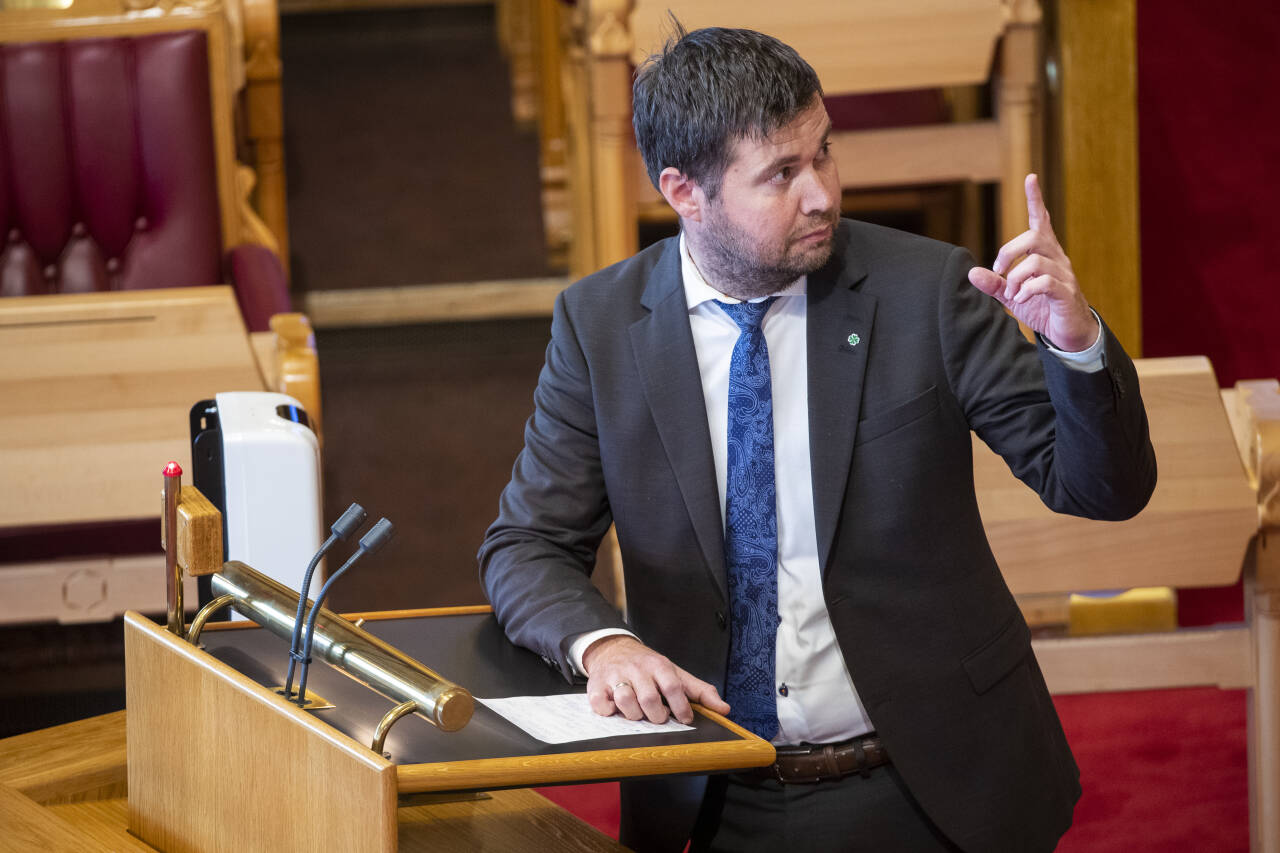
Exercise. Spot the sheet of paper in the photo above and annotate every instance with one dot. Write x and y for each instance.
(568, 717)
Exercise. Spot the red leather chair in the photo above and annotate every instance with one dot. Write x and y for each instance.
(109, 174)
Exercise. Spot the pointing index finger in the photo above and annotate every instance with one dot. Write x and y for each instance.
(1037, 214)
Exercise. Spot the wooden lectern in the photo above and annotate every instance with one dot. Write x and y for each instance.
(308, 780)
(217, 760)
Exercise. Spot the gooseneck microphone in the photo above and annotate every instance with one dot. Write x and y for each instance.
(372, 542)
(343, 529)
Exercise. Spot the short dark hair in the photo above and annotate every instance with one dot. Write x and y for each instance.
(707, 89)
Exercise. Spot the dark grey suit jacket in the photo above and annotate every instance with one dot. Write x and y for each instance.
(936, 646)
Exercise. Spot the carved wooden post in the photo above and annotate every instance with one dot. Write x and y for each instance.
(557, 221)
(577, 106)
(612, 147)
(263, 120)
(297, 370)
(518, 38)
(1264, 747)
(1018, 109)
(1262, 609)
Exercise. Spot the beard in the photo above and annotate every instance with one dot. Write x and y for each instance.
(733, 262)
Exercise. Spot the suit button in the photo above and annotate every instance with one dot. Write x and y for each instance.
(720, 620)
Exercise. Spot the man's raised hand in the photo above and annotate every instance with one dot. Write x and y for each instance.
(1032, 277)
(625, 675)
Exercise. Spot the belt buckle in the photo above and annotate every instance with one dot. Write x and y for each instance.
(816, 774)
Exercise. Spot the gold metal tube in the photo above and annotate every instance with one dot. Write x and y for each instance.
(172, 571)
(361, 655)
(388, 720)
(197, 624)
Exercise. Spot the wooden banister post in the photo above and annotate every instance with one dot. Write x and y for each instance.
(1018, 111)
(557, 221)
(1259, 437)
(519, 41)
(297, 369)
(612, 147)
(264, 122)
(1264, 699)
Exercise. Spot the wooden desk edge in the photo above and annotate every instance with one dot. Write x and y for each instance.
(372, 616)
(744, 750)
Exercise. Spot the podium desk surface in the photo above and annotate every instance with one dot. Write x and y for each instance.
(470, 649)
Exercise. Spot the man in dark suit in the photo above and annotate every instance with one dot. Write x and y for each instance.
(775, 410)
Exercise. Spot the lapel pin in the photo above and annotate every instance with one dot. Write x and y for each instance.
(853, 339)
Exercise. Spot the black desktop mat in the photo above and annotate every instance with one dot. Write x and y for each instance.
(468, 649)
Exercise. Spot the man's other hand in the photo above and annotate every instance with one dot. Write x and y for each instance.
(627, 676)
(1040, 288)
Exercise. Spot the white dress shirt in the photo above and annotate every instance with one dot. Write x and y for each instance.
(816, 699)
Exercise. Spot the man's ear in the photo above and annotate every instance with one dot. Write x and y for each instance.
(682, 193)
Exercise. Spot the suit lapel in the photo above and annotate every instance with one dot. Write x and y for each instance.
(839, 340)
(668, 367)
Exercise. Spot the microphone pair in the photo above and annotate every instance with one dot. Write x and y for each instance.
(341, 530)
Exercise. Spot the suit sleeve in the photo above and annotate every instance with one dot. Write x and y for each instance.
(1080, 440)
(537, 557)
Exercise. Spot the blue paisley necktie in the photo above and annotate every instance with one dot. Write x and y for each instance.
(751, 527)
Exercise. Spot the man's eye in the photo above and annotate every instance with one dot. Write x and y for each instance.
(825, 152)
(783, 175)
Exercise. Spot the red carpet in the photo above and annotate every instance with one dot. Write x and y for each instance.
(1163, 771)
(596, 804)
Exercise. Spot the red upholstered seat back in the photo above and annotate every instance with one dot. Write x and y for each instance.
(107, 169)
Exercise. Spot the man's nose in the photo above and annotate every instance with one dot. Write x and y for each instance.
(821, 193)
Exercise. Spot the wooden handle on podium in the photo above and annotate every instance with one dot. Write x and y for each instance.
(199, 539)
(199, 533)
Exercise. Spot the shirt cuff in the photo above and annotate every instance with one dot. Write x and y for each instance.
(581, 643)
(1086, 361)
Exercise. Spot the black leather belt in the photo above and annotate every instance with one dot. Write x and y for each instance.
(822, 762)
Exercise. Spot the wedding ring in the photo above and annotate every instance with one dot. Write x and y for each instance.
(622, 684)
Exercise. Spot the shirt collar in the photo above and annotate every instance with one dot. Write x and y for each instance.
(697, 291)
